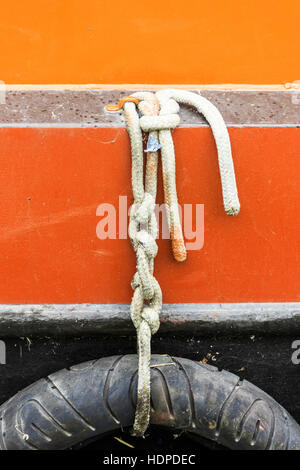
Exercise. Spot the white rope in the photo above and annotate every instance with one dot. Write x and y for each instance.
(143, 232)
(218, 126)
(159, 114)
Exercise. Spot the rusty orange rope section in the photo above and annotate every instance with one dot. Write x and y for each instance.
(119, 106)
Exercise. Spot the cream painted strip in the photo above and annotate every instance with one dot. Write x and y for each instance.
(134, 86)
(77, 125)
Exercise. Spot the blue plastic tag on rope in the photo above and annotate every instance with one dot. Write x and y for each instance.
(152, 144)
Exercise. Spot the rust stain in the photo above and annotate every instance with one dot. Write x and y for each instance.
(178, 247)
(119, 106)
(151, 167)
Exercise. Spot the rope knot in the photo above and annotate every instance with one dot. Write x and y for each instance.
(143, 211)
(151, 316)
(156, 117)
(147, 242)
(158, 123)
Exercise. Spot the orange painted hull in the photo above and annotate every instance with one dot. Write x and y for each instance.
(53, 179)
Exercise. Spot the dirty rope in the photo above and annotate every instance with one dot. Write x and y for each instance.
(157, 114)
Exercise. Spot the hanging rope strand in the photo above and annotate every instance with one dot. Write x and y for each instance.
(219, 129)
(143, 232)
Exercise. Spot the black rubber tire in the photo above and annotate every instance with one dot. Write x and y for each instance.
(97, 397)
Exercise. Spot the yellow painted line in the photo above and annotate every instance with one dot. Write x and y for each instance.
(164, 364)
(124, 442)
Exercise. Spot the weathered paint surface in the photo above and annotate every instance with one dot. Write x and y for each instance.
(89, 319)
(87, 107)
(155, 41)
(53, 180)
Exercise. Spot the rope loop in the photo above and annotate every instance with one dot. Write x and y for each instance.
(158, 123)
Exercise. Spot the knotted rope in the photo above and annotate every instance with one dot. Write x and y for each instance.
(159, 114)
